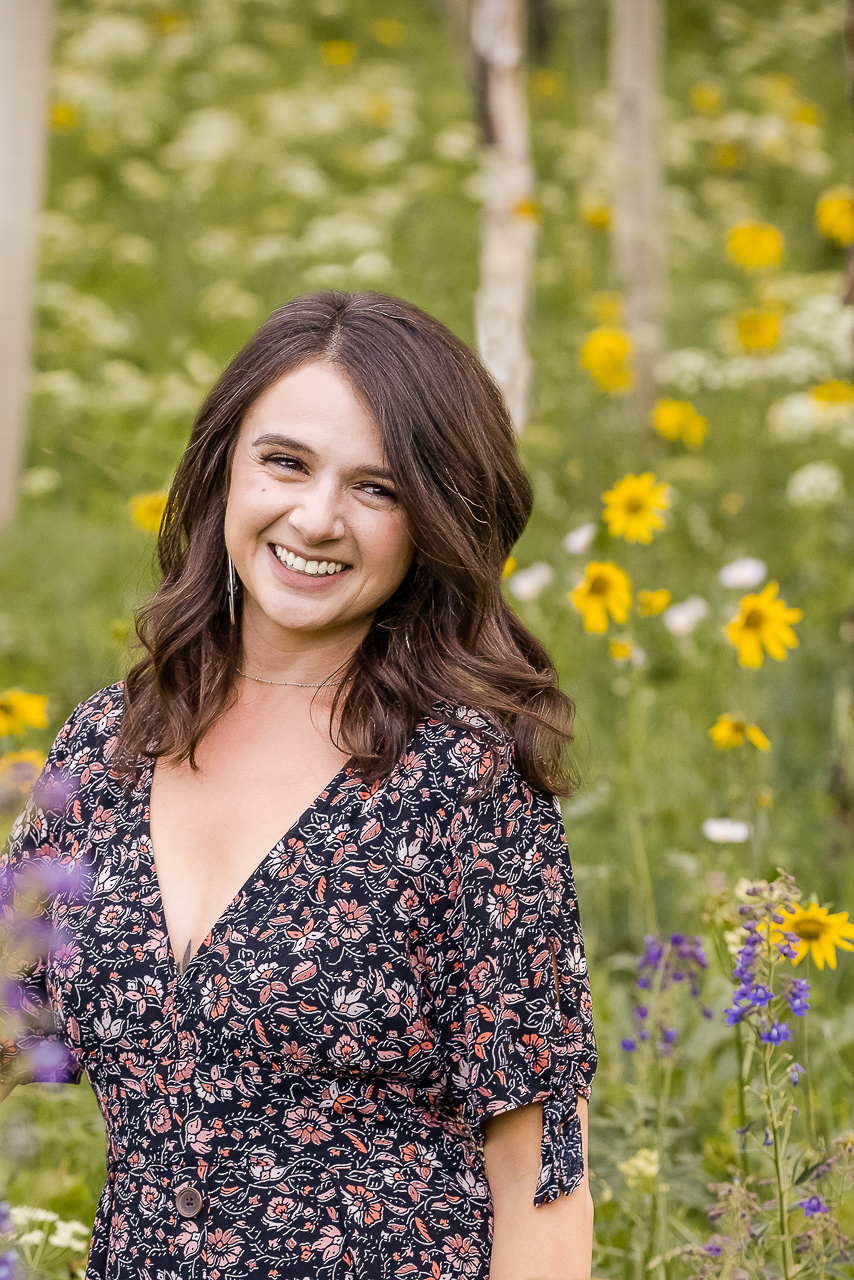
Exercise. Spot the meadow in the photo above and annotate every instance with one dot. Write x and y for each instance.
(691, 573)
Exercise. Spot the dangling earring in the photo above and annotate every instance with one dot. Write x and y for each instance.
(231, 583)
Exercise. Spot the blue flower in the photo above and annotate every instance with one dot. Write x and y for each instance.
(732, 1016)
(776, 1033)
(760, 996)
(795, 1070)
(813, 1206)
(8, 1266)
(798, 996)
(668, 1035)
(628, 1044)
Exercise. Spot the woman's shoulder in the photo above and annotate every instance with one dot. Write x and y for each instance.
(94, 723)
(460, 749)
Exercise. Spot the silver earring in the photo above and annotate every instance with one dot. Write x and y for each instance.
(231, 585)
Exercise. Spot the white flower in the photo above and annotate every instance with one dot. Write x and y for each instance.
(681, 619)
(39, 480)
(637, 657)
(527, 584)
(67, 1235)
(23, 1213)
(456, 142)
(341, 231)
(207, 137)
(225, 300)
(794, 417)
(578, 541)
(640, 1167)
(373, 265)
(109, 39)
(36, 1236)
(726, 830)
(743, 574)
(815, 485)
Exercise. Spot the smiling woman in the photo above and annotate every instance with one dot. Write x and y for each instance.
(361, 1049)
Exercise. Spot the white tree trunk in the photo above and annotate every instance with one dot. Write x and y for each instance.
(639, 236)
(509, 228)
(24, 62)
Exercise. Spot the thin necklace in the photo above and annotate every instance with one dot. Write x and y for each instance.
(292, 684)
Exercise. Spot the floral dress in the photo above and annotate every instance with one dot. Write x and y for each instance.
(307, 1099)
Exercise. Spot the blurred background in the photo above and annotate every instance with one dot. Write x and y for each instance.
(651, 257)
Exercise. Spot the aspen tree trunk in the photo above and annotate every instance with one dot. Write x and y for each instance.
(636, 39)
(848, 294)
(509, 227)
(24, 62)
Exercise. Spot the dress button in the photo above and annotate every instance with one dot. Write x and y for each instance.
(188, 1202)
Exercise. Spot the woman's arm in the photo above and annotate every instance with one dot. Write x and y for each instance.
(553, 1241)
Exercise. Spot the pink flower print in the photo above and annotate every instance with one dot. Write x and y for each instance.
(280, 1211)
(119, 1232)
(223, 1248)
(102, 825)
(349, 919)
(552, 884)
(150, 1199)
(330, 1242)
(214, 998)
(573, 1040)
(466, 751)
(407, 903)
(263, 1167)
(347, 1052)
(308, 1125)
(161, 1119)
(501, 906)
(481, 976)
(364, 1205)
(290, 859)
(536, 1052)
(189, 1238)
(409, 773)
(197, 1138)
(463, 1256)
(67, 962)
(299, 1056)
(111, 916)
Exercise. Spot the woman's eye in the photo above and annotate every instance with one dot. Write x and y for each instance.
(380, 491)
(283, 460)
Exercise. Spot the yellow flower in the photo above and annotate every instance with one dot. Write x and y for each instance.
(390, 32)
(705, 98)
(546, 83)
(651, 603)
(605, 589)
(765, 798)
(834, 215)
(758, 330)
(730, 731)
(763, 620)
(63, 116)
(528, 210)
(19, 771)
(807, 113)
(509, 567)
(679, 420)
(604, 354)
(836, 391)
(755, 246)
(632, 507)
(596, 213)
(19, 710)
(607, 306)
(729, 155)
(819, 933)
(338, 53)
(620, 650)
(147, 510)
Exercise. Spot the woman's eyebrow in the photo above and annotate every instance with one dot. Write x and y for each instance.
(287, 442)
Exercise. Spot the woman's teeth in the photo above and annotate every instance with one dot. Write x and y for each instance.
(312, 567)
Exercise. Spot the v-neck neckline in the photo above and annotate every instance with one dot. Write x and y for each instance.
(144, 788)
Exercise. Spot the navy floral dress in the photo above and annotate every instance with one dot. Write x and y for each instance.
(307, 1100)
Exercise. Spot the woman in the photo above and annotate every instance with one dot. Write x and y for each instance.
(360, 1049)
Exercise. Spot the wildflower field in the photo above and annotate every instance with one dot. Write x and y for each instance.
(690, 568)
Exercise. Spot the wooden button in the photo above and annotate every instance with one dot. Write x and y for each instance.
(188, 1202)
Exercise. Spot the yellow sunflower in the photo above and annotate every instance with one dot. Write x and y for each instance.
(755, 246)
(679, 420)
(147, 510)
(758, 329)
(19, 710)
(763, 621)
(606, 354)
(731, 731)
(620, 650)
(632, 507)
(605, 589)
(509, 567)
(651, 603)
(834, 215)
(819, 933)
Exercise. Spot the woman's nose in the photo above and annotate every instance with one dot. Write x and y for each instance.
(317, 515)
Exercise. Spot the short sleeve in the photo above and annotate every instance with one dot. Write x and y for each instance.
(514, 1010)
(34, 869)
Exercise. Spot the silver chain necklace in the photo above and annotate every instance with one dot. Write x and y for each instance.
(291, 684)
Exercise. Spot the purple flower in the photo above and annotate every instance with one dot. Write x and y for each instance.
(628, 1044)
(641, 1012)
(776, 1033)
(795, 1070)
(50, 1062)
(760, 996)
(668, 1035)
(8, 1266)
(715, 1248)
(733, 1016)
(813, 1206)
(768, 1139)
(798, 996)
(5, 1220)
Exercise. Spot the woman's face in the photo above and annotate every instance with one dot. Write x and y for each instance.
(312, 522)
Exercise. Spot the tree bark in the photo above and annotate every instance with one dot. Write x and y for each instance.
(24, 63)
(636, 51)
(509, 227)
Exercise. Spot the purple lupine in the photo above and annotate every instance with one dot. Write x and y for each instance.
(49, 1061)
(6, 1224)
(798, 996)
(715, 1246)
(813, 1206)
(795, 1071)
(789, 946)
(774, 1033)
(8, 1266)
(628, 1044)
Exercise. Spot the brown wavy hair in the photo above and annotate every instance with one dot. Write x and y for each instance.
(446, 635)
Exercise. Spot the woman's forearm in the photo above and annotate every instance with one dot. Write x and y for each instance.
(551, 1242)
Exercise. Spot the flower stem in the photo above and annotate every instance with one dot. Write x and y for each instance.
(742, 1101)
(782, 1188)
